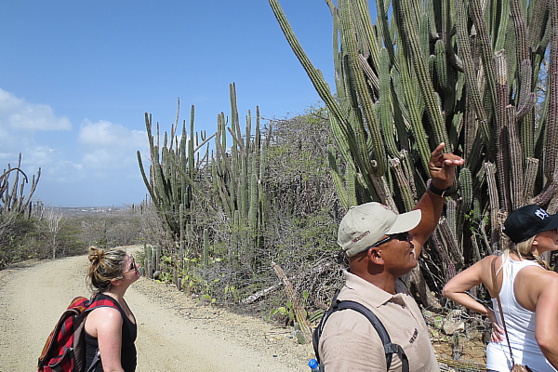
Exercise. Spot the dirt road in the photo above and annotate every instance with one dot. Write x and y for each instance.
(175, 333)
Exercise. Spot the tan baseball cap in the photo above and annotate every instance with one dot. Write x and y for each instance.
(366, 224)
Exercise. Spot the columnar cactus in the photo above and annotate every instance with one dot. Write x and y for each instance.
(12, 197)
(238, 173)
(172, 173)
(467, 73)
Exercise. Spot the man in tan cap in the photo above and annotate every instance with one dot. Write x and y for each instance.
(381, 247)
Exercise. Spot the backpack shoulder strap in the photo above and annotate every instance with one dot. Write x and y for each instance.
(320, 328)
(389, 347)
(78, 302)
(91, 305)
(106, 301)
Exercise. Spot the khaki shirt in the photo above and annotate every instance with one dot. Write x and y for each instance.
(350, 343)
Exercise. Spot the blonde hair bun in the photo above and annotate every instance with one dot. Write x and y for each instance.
(96, 255)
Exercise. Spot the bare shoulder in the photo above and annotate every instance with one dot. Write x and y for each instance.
(488, 259)
(485, 264)
(539, 275)
(105, 314)
(103, 319)
(484, 267)
(536, 281)
(541, 290)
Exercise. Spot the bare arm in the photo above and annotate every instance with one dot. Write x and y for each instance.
(108, 323)
(457, 287)
(442, 171)
(546, 328)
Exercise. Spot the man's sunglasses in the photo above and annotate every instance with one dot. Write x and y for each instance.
(403, 237)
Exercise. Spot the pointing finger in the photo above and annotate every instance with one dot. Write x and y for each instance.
(438, 150)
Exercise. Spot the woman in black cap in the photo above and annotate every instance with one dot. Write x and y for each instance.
(528, 293)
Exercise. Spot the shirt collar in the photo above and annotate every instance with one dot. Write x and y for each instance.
(373, 295)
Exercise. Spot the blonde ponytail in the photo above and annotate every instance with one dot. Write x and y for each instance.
(523, 250)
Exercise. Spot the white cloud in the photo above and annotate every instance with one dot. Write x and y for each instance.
(99, 157)
(53, 164)
(19, 114)
(110, 145)
(105, 133)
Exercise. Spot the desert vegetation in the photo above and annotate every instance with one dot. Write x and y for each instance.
(29, 229)
(475, 75)
(255, 198)
(246, 217)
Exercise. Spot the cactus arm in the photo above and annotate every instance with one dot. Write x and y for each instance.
(408, 29)
(551, 145)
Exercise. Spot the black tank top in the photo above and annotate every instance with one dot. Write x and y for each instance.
(129, 333)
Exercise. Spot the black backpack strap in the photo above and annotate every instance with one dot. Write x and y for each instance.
(318, 333)
(94, 362)
(389, 347)
(319, 329)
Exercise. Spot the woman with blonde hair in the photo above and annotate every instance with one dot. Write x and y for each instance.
(111, 330)
(528, 293)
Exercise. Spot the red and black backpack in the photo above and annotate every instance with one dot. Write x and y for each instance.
(64, 350)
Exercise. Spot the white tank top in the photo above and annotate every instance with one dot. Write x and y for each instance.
(520, 323)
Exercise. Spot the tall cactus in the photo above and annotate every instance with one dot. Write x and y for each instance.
(463, 72)
(172, 172)
(238, 173)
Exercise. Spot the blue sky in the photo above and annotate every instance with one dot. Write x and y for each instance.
(76, 78)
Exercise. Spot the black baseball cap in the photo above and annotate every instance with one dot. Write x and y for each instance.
(528, 221)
